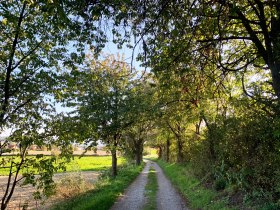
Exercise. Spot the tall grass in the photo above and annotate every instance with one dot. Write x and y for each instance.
(105, 192)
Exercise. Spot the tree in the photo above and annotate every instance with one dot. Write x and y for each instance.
(233, 35)
(143, 111)
(103, 100)
(35, 41)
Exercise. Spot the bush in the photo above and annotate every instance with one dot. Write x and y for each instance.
(220, 184)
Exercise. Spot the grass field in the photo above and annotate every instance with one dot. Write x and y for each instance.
(86, 163)
(92, 163)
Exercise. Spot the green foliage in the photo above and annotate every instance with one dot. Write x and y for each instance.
(220, 184)
(246, 153)
(106, 191)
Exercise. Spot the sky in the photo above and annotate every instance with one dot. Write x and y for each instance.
(110, 48)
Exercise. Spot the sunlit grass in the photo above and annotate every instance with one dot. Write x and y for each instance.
(85, 163)
(92, 163)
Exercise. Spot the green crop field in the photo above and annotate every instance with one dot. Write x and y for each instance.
(92, 163)
(86, 163)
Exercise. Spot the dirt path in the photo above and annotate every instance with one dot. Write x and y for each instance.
(167, 197)
(133, 198)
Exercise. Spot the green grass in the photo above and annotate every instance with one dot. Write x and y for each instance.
(198, 197)
(151, 191)
(92, 163)
(85, 163)
(105, 193)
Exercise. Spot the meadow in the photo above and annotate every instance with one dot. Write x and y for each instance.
(78, 163)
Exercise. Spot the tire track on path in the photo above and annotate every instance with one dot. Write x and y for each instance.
(134, 197)
(167, 196)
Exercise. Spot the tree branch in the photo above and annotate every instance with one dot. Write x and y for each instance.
(9, 67)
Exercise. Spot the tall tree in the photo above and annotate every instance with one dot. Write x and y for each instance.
(103, 100)
(38, 39)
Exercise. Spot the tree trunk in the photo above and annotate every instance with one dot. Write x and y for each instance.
(114, 155)
(275, 73)
(138, 150)
(179, 150)
(211, 138)
(138, 157)
(114, 162)
(159, 152)
(167, 149)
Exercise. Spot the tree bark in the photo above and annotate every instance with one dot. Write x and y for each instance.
(179, 150)
(114, 162)
(138, 157)
(275, 73)
(139, 153)
(167, 149)
(114, 156)
(211, 140)
(159, 152)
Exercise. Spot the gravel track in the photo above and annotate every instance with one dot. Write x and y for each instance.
(167, 196)
(134, 197)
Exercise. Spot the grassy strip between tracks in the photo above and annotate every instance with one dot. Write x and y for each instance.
(151, 190)
(105, 192)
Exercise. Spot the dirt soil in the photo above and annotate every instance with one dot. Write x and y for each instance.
(134, 197)
(23, 194)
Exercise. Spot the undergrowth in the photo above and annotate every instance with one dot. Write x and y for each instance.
(106, 191)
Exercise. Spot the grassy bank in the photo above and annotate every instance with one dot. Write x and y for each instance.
(105, 192)
(197, 196)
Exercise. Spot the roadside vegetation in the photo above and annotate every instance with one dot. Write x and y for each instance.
(192, 188)
(204, 193)
(106, 190)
